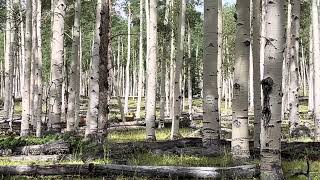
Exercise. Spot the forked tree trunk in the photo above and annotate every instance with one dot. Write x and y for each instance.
(72, 117)
(210, 60)
(26, 73)
(57, 55)
(93, 107)
(294, 59)
(151, 72)
(272, 91)
(240, 105)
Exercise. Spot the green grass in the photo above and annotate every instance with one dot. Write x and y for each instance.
(289, 167)
(152, 159)
(140, 135)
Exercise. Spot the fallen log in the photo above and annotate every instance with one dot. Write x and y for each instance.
(111, 170)
(57, 147)
(125, 128)
(51, 158)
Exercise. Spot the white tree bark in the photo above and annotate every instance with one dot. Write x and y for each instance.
(240, 105)
(151, 72)
(57, 55)
(39, 73)
(126, 97)
(311, 72)
(73, 115)
(179, 66)
(294, 59)
(27, 72)
(210, 60)
(189, 76)
(272, 91)
(316, 65)
(93, 107)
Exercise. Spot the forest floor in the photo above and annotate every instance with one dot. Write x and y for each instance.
(147, 158)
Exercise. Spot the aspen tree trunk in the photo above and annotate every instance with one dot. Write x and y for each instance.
(105, 69)
(126, 100)
(34, 67)
(57, 55)
(240, 127)
(316, 65)
(39, 73)
(311, 72)
(257, 20)
(72, 117)
(93, 106)
(272, 91)
(210, 64)
(179, 66)
(22, 55)
(151, 72)
(220, 52)
(147, 11)
(162, 89)
(27, 72)
(189, 76)
(8, 61)
(294, 59)
(172, 56)
(286, 65)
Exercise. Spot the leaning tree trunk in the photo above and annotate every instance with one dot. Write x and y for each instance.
(93, 105)
(151, 72)
(126, 96)
(210, 60)
(316, 65)
(27, 73)
(240, 126)
(256, 71)
(272, 91)
(293, 61)
(140, 80)
(74, 71)
(57, 54)
(177, 97)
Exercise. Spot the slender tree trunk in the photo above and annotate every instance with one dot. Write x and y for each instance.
(57, 55)
(316, 65)
(179, 66)
(26, 73)
(126, 100)
(240, 126)
(39, 73)
(189, 76)
(74, 71)
(93, 107)
(294, 59)
(210, 64)
(311, 72)
(272, 91)
(256, 71)
(220, 52)
(151, 72)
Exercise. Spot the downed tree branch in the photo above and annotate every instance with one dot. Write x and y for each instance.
(246, 171)
(125, 128)
(52, 158)
(57, 147)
